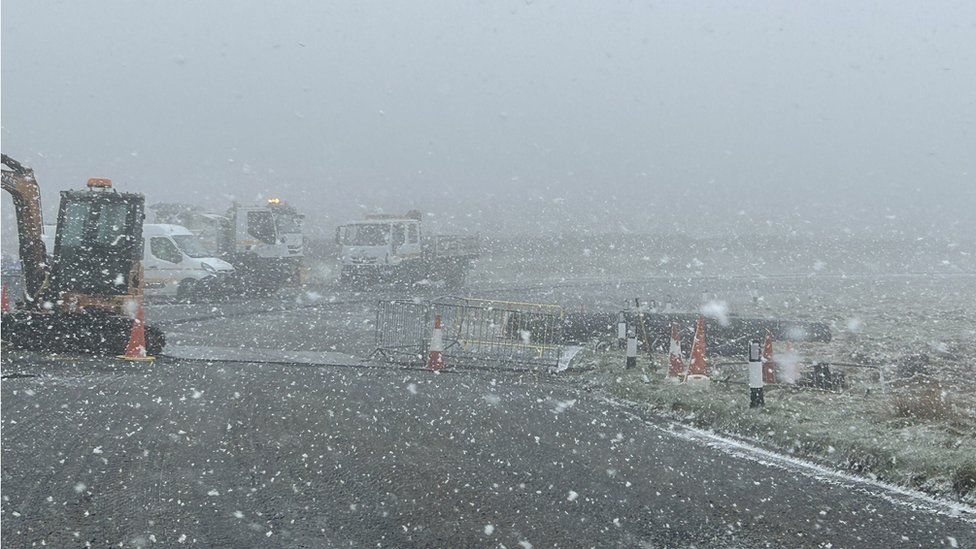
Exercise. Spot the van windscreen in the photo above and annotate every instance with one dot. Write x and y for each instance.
(190, 245)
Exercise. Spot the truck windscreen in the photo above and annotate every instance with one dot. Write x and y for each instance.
(367, 235)
(288, 224)
(260, 225)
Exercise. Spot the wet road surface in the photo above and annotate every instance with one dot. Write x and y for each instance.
(239, 455)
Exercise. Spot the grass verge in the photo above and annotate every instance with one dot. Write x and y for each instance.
(914, 436)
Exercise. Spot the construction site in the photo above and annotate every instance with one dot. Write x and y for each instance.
(670, 345)
(322, 330)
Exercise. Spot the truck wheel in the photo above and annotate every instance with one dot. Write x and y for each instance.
(186, 290)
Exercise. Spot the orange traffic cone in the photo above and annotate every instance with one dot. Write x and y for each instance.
(768, 364)
(136, 349)
(698, 369)
(676, 366)
(6, 300)
(435, 360)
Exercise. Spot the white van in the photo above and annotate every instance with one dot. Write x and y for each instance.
(175, 262)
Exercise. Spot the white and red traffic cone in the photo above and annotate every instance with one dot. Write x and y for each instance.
(136, 349)
(435, 359)
(698, 369)
(676, 364)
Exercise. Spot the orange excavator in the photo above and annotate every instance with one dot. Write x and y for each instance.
(79, 298)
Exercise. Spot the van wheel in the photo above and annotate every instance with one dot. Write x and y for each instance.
(186, 290)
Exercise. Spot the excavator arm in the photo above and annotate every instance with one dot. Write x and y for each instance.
(19, 181)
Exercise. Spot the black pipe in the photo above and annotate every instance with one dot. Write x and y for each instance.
(735, 334)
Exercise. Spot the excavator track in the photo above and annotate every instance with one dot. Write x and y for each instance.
(88, 333)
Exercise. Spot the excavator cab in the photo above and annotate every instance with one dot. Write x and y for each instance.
(98, 244)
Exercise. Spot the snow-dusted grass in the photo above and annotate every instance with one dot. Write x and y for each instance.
(861, 430)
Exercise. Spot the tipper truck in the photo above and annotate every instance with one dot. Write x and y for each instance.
(396, 249)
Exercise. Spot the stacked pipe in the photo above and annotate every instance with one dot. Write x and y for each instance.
(723, 339)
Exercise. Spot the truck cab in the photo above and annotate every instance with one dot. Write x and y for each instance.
(289, 227)
(273, 231)
(266, 244)
(394, 248)
(379, 243)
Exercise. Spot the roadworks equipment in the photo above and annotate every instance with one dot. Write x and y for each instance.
(676, 365)
(435, 360)
(136, 349)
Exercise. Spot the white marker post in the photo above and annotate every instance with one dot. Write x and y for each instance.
(621, 330)
(756, 398)
(631, 349)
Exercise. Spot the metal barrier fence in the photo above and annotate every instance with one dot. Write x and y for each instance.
(401, 327)
(476, 332)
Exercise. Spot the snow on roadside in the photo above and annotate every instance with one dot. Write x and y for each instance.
(856, 430)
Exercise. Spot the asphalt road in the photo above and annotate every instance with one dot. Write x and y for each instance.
(246, 455)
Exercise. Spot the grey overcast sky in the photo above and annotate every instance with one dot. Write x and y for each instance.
(510, 115)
